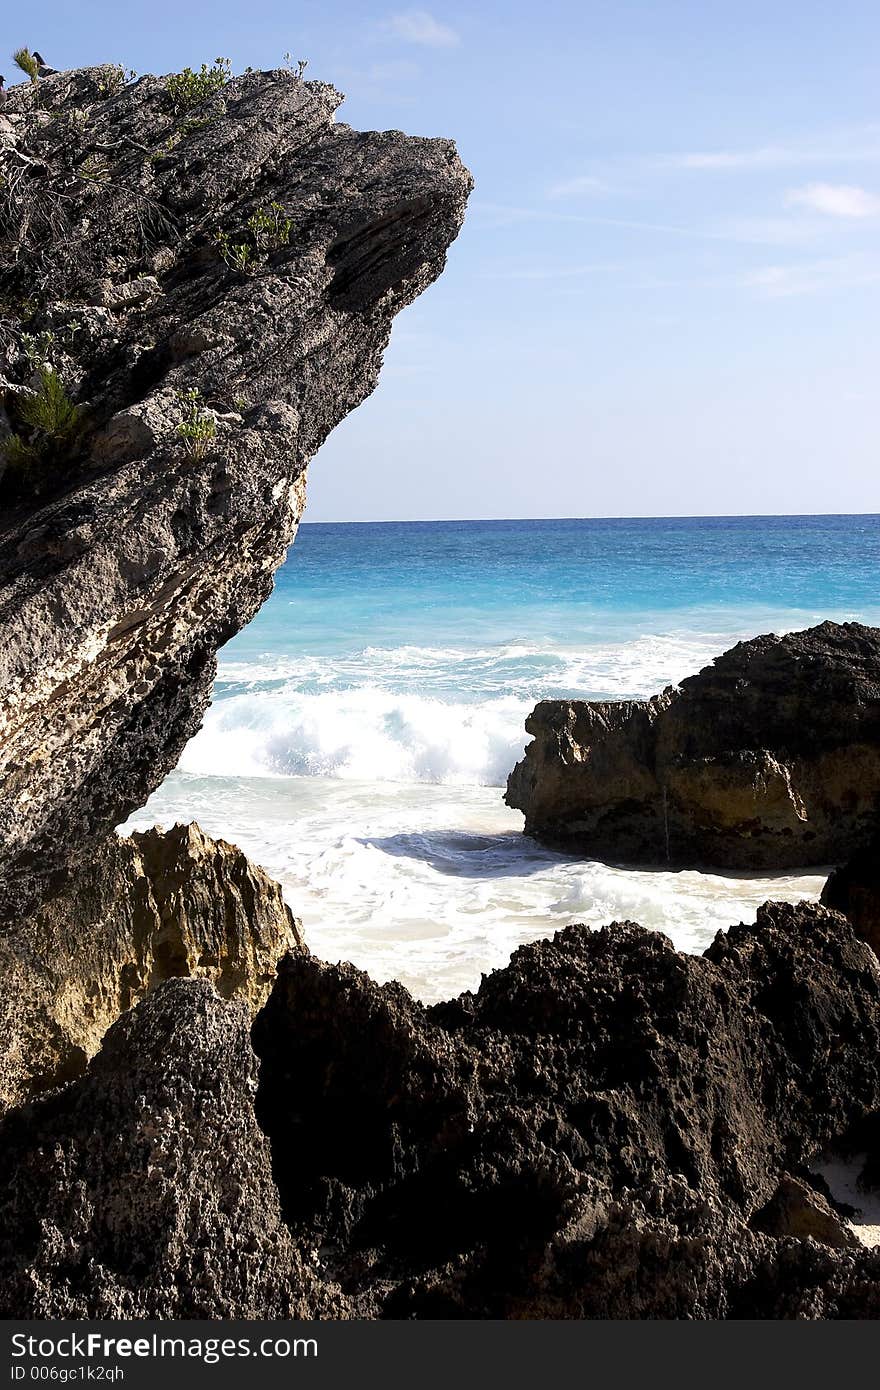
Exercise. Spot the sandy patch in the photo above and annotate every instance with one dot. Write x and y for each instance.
(841, 1176)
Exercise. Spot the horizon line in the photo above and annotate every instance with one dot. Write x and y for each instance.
(605, 516)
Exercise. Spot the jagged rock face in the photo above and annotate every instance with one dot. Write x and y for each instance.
(151, 908)
(854, 890)
(768, 759)
(599, 1131)
(605, 1129)
(145, 1189)
(144, 552)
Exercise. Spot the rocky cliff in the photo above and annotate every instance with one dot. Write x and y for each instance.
(207, 279)
(607, 1128)
(767, 759)
(198, 278)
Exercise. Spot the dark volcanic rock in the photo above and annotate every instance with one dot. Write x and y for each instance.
(129, 561)
(769, 758)
(145, 1189)
(854, 890)
(606, 1128)
(591, 1134)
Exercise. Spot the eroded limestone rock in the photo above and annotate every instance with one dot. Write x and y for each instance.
(854, 890)
(152, 907)
(127, 565)
(144, 1189)
(768, 759)
(598, 1131)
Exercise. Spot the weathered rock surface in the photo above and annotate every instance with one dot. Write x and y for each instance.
(602, 1130)
(152, 907)
(145, 551)
(768, 759)
(144, 1189)
(854, 890)
(606, 1128)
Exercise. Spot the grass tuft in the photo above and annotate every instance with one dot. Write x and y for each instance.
(24, 59)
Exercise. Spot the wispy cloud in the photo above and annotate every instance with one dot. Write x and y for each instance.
(755, 231)
(577, 187)
(848, 148)
(769, 231)
(836, 199)
(783, 281)
(418, 26)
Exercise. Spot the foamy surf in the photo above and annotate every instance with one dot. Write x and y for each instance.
(391, 714)
(364, 724)
(434, 885)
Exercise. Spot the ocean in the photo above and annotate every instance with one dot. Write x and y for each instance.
(364, 724)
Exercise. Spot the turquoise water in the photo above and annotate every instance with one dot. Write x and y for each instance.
(472, 585)
(365, 722)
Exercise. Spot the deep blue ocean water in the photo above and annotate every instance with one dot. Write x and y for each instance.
(558, 586)
(365, 722)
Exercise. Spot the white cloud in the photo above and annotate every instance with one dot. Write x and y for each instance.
(770, 157)
(575, 187)
(418, 26)
(783, 281)
(861, 147)
(836, 199)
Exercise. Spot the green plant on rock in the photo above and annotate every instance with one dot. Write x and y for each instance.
(20, 458)
(190, 88)
(298, 67)
(24, 59)
(238, 255)
(198, 428)
(270, 228)
(114, 77)
(52, 426)
(94, 167)
(38, 347)
(50, 411)
(165, 150)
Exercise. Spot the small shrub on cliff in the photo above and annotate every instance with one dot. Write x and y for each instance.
(297, 68)
(38, 347)
(270, 228)
(198, 428)
(238, 255)
(49, 434)
(114, 77)
(189, 88)
(24, 59)
(50, 411)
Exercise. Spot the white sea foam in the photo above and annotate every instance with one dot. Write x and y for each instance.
(391, 715)
(433, 884)
(365, 734)
(639, 666)
(368, 783)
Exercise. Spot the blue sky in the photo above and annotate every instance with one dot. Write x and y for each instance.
(665, 296)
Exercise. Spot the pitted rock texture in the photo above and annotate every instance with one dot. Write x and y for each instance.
(768, 759)
(606, 1128)
(144, 1189)
(129, 564)
(599, 1131)
(854, 890)
(152, 907)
